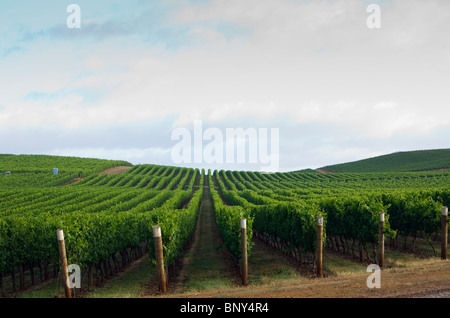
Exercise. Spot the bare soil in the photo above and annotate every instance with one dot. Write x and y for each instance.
(109, 171)
(325, 171)
(72, 181)
(116, 170)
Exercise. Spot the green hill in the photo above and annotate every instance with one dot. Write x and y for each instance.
(420, 160)
(45, 163)
(37, 170)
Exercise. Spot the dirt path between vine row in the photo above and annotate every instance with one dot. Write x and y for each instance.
(206, 262)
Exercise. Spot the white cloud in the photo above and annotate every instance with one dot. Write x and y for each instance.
(93, 63)
(308, 61)
(212, 37)
(379, 120)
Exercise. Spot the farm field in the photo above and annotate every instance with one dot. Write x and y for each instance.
(419, 160)
(107, 220)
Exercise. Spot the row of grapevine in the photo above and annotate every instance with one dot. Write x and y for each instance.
(415, 213)
(354, 219)
(356, 181)
(290, 226)
(228, 221)
(143, 177)
(178, 226)
(101, 225)
(285, 217)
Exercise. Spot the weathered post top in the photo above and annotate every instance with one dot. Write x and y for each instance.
(319, 220)
(60, 235)
(156, 231)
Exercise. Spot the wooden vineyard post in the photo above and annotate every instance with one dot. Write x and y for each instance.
(159, 258)
(244, 251)
(319, 245)
(444, 243)
(381, 241)
(63, 259)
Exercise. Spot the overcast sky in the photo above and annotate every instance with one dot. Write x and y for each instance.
(117, 87)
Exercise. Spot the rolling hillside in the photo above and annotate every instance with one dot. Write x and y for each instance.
(37, 170)
(420, 160)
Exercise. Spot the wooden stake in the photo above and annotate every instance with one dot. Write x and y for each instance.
(159, 258)
(381, 241)
(63, 259)
(244, 251)
(444, 243)
(319, 246)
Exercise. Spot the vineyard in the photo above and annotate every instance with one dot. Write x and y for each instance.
(108, 219)
(419, 160)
